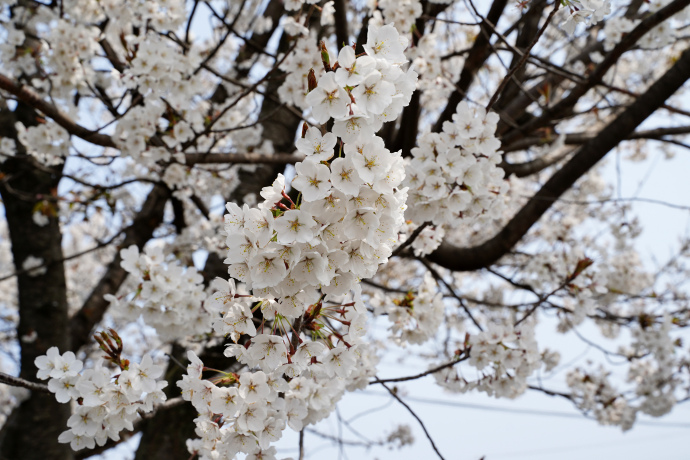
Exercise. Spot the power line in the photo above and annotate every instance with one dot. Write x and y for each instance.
(560, 450)
(513, 410)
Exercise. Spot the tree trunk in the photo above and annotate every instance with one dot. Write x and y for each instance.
(32, 430)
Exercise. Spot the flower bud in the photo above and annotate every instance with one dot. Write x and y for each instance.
(311, 80)
(325, 58)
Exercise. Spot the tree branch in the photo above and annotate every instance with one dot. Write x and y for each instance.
(139, 232)
(17, 382)
(409, 409)
(29, 97)
(466, 356)
(340, 16)
(523, 60)
(539, 164)
(462, 259)
(626, 43)
(479, 53)
(241, 158)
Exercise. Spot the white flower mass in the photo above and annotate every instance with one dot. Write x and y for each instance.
(343, 240)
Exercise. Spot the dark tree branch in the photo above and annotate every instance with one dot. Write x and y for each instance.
(258, 43)
(479, 53)
(97, 246)
(581, 138)
(627, 42)
(522, 60)
(29, 97)
(576, 78)
(539, 164)
(340, 16)
(139, 232)
(527, 29)
(533, 166)
(241, 158)
(42, 299)
(516, 107)
(362, 36)
(588, 155)
(19, 382)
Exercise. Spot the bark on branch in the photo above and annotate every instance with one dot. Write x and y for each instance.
(139, 232)
(29, 97)
(479, 53)
(241, 158)
(19, 382)
(464, 259)
(629, 40)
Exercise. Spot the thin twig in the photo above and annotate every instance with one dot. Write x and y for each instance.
(428, 436)
(550, 392)
(524, 57)
(439, 278)
(301, 444)
(176, 361)
(340, 441)
(465, 356)
(411, 239)
(385, 288)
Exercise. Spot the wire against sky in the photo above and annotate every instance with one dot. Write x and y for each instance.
(513, 410)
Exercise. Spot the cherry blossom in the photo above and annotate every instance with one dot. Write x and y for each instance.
(388, 186)
(328, 100)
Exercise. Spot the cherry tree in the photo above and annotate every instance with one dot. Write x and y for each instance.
(219, 216)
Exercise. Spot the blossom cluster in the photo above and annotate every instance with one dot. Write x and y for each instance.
(342, 230)
(360, 92)
(503, 356)
(34, 266)
(416, 317)
(296, 67)
(71, 46)
(655, 378)
(653, 370)
(160, 69)
(402, 13)
(296, 314)
(454, 178)
(8, 148)
(302, 260)
(48, 142)
(351, 206)
(169, 296)
(105, 404)
(594, 392)
(248, 412)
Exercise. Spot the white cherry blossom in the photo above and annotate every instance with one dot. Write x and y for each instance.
(328, 99)
(312, 180)
(316, 146)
